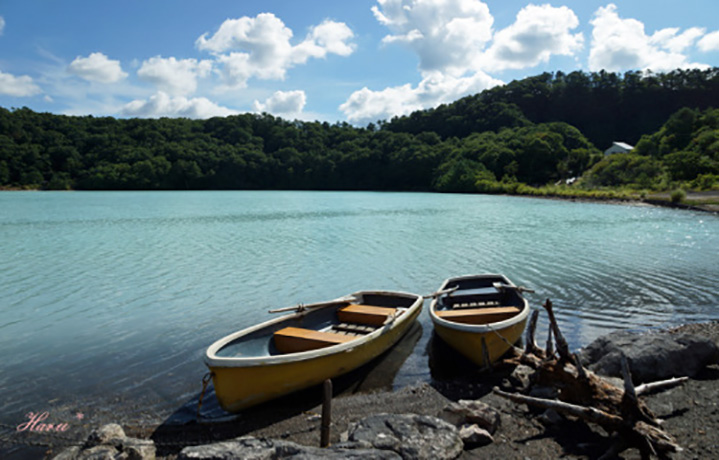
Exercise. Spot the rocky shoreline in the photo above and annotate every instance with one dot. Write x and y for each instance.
(464, 419)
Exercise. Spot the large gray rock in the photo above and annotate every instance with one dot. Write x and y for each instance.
(106, 434)
(652, 356)
(101, 453)
(110, 442)
(474, 436)
(471, 412)
(138, 449)
(250, 448)
(521, 378)
(411, 436)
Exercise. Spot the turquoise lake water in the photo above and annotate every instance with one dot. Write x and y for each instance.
(110, 299)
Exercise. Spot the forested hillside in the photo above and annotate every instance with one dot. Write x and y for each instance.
(604, 106)
(528, 132)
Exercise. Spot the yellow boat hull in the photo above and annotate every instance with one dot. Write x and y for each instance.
(474, 311)
(239, 387)
(470, 344)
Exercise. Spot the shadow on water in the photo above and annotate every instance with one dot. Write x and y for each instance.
(182, 428)
(456, 377)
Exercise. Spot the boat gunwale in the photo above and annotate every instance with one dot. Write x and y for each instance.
(478, 328)
(212, 360)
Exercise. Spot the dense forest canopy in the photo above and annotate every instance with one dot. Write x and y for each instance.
(685, 148)
(535, 131)
(605, 106)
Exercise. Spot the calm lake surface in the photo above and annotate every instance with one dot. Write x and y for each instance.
(109, 300)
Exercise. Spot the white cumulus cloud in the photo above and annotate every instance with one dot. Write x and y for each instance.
(261, 47)
(669, 40)
(327, 38)
(447, 35)
(2, 25)
(457, 48)
(365, 105)
(174, 76)
(283, 103)
(622, 44)
(709, 42)
(163, 105)
(22, 86)
(537, 34)
(97, 67)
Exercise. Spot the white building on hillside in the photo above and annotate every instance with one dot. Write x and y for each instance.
(619, 147)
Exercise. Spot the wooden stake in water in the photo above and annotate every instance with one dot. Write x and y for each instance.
(326, 414)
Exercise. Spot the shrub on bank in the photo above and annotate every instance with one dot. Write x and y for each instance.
(678, 196)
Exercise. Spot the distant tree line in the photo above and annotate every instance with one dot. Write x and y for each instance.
(528, 132)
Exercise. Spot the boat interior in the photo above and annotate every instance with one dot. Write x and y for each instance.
(481, 300)
(321, 327)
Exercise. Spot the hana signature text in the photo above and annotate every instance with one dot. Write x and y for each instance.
(36, 423)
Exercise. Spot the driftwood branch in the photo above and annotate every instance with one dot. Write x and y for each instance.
(549, 352)
(648, 387)
(580, 369)
(530, 345)
(630, 394)
(562, 345)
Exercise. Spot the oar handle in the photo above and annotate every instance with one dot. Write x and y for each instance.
(439, 293)
(302, 307)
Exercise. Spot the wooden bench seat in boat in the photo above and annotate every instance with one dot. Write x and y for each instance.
(360, 329)
(296, 339)
(489, 303)
(479, 296)
(478, 315)
(365, 314)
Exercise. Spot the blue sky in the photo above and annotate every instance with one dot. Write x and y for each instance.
(357, 61)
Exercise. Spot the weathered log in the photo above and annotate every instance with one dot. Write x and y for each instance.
(659, 441)
(592, 391)
(589, 414)
(584, 395)
(646, 437)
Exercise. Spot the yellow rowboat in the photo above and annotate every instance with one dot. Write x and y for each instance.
(304, 348)
(479, 315)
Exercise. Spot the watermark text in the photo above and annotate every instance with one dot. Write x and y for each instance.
(36, 423)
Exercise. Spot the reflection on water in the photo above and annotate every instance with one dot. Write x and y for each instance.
(109, 300)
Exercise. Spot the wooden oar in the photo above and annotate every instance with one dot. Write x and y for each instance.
(302, 307)
(501, 286)
(439, 293)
